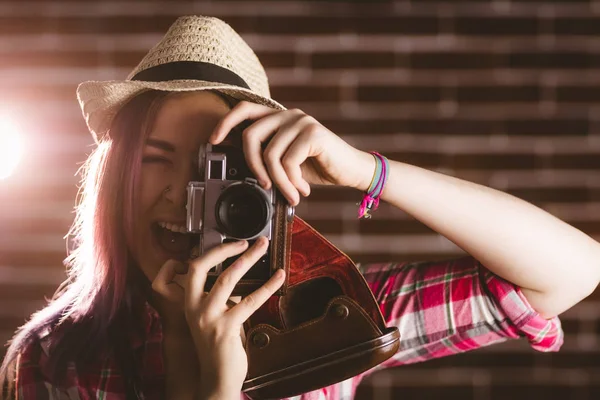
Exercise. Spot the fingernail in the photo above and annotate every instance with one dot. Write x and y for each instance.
(181, 268)
(195, 252)
(306, 190)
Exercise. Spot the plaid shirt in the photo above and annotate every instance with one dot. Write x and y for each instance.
(441, 308)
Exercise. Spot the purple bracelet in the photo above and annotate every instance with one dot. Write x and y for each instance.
(370, 201)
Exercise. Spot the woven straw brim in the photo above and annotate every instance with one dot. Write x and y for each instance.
(101, 100)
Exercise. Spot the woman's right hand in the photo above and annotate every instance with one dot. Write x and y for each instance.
(215, 327)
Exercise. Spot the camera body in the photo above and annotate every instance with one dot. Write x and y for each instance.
(229, 205)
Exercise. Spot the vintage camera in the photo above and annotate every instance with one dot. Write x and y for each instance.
(229, 205)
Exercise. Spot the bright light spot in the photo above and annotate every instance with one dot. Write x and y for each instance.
(11, 146)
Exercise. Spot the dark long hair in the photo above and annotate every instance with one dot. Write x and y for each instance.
(104, 290)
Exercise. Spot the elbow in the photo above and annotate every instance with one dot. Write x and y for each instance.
(588, 281)
(577, 277)
(589, 286)
(589, 278)
(554, 302)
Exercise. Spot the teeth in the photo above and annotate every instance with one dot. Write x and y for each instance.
(173, 227)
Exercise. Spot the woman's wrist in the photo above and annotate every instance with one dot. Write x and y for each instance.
(366, 169)
(212, 388)
(221, 396)
(218, 394)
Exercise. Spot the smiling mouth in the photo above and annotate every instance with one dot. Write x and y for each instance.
(176, 241)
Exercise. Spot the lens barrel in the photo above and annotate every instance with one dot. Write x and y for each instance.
(242, 211)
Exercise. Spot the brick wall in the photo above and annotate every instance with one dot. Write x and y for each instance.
(503, 93)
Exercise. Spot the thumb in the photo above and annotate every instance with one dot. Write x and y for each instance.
(164, 283)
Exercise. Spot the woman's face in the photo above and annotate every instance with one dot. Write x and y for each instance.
(170, 160)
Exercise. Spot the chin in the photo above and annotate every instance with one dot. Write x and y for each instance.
(149, 263)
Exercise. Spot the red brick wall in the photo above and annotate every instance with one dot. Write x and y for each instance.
(503, 93)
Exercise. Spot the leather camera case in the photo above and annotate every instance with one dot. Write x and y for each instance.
(324, 326)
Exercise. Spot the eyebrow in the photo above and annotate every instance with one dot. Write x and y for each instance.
(161, 144)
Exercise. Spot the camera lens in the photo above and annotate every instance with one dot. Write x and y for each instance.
(242, 211)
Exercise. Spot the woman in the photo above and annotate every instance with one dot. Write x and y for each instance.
(126, 322)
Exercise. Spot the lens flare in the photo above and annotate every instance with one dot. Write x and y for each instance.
(11, 146)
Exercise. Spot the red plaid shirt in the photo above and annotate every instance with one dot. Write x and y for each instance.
(441, 308)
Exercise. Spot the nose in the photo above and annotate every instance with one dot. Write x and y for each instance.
(178, 192)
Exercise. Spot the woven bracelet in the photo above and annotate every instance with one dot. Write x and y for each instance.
(370, 201)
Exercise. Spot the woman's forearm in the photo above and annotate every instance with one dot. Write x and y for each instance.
(216, 393)
(555, 264)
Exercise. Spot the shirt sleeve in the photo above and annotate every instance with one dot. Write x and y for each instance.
(32, 381)
(448, 307)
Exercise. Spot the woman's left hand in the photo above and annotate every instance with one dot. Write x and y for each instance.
(301, 151)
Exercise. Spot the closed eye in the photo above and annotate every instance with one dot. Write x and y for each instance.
(156, 159)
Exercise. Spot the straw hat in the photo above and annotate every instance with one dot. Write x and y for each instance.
(196, 53)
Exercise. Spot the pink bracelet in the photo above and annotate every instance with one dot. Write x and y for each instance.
(370, 199)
